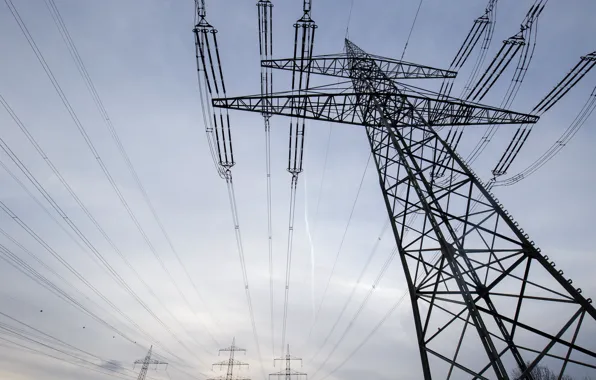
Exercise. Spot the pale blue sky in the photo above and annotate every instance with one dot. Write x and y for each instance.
(140, 55)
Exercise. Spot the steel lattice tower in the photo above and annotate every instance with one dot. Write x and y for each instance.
(230, 363)
(146, 363)
(288, 373)
(485, 300)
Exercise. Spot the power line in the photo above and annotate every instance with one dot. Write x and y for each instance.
(219, 135)
(74, 195)
(361, 308)
(265, 19)
(341, 244)
(371, 255)
(411, 30)
(370, 335)
(304, 37)
(91, 146)
(64, 32)
(96, 254)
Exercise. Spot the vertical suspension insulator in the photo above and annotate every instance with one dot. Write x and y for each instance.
(501, 61)
(304, 35)
(265, 10)
(209, 64)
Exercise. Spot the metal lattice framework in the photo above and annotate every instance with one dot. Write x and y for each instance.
(146, 362)
(288, 373)
(231, 363)
(485, 300)
(338, 65)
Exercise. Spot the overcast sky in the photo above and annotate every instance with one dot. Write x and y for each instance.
(140, 56)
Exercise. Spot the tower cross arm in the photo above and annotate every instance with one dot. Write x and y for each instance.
(346, 107)
(337, 65)
(229, 362)
(288, 372)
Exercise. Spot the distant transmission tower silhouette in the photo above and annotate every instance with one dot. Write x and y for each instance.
(145, 363)
(288, 373)
(230, 363)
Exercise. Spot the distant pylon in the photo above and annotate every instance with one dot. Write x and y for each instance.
(146, 362)
(288, 373)
(230, 363)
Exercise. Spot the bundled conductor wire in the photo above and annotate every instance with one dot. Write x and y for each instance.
(209, 63)
(570, 80)
(304, 36)
(265, 10)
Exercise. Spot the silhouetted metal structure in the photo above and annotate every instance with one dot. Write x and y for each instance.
(288, 373)
(145, 363)
(485, 300)
(230, 363)
(478, 285)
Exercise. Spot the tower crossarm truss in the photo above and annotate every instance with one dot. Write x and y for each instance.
(146, 362)
(345, 108)
(485, 300)
(288, 373)
(337, 65)
(466, 260)
(229, 362)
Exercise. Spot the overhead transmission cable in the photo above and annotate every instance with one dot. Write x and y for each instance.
(528, 34)
(483, 28)
(52, 343)
(90, 144)
(489, 18)
(81, 205)
(88, 246)
(80, 277)
(573, 77)
(15, 345)
(521, 45)
(557, 146)
(324, 172)
(369, 259)
(383, 320)
(328, 140)
(404, 232)
(360, 309)
(265, 11)
(341, 244)
(66, 37)
(219, 134)
(46, 340)
(367, 338)
(304, 35)
(411, 30)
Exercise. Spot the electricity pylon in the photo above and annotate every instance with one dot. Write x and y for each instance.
(145, 364)
(485, 300)
(230, 363)
(288, 373)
